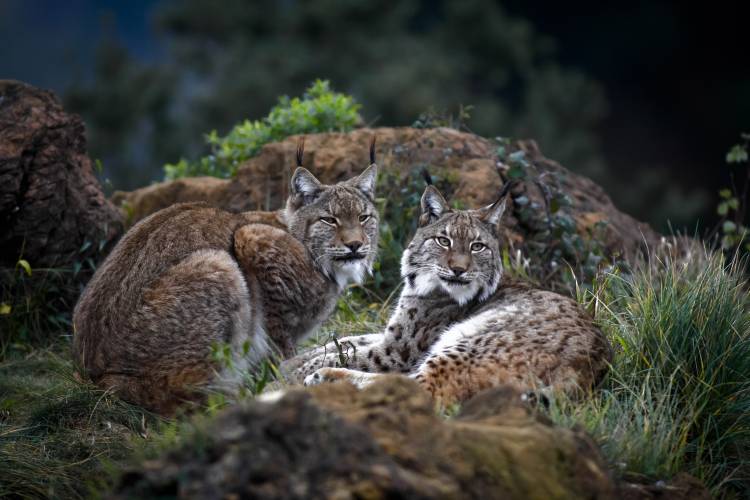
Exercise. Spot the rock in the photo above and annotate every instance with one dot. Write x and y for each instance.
(469, 162)
(335, 442)
(143, 202)
(51, 205)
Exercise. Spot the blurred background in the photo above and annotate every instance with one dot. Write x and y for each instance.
(644, 97)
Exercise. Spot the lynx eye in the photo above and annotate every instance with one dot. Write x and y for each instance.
(478, 247)
(364, 218)
(331, 221)
(443, 241)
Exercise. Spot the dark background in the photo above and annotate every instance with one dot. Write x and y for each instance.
(645, 97)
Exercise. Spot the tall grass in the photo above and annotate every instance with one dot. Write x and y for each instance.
(678, 394)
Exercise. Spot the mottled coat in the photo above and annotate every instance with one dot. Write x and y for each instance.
(459, 327)
(191, 278)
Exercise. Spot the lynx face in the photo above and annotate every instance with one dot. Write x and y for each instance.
(338, 224)
(454, 251)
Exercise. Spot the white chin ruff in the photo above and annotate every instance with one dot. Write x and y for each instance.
(424, 284)
(350, 272)
(460, 293)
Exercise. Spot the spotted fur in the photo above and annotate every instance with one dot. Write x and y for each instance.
(459, 327)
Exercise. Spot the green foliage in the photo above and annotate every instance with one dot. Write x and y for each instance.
(678, 395)
(738, 153)
(320, 110)
(732, 208)
(559, 256)
(254, 381)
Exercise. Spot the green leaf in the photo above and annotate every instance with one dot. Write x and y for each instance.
(737, 154)
(5, 309)
(25, 265)
(733, 203)
(516, 171)
(518, 155)
(723, 208)
(729, 226)
(725, 193)
(554, 205)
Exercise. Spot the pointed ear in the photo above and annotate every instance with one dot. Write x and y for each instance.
(365, 182)
(491, 214)
(433, 206)
(305, 185)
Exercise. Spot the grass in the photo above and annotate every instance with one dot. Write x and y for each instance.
(678, 395)
(60, 437)
(35, 306)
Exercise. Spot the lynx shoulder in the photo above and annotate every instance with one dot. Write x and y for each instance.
(190, 278)
(461, 327)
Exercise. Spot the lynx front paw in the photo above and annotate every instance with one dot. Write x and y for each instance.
(327, 374)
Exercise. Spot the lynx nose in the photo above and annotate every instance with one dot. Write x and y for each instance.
(458, 269)
(353, 246)
(459, 264)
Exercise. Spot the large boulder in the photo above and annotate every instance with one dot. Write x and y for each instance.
(475, 168)
(52, 208)
(383, 442)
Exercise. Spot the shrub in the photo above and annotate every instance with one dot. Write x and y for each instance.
(678, 395)
(732, 209)
(320, 110)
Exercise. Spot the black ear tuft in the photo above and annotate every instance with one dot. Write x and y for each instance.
(300, 150)
(426, 176)
(372, 150)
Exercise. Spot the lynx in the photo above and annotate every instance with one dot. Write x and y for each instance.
(460, 327)
(191, 277)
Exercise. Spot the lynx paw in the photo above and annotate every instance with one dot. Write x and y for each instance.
(327, 374)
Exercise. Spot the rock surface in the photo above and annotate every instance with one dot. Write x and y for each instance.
(470, 162)
(384, 442)
(52, 208)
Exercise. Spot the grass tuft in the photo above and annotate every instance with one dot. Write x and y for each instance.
(678, 395)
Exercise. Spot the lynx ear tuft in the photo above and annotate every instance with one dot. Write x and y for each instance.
(433, 206)
(300, 150)
(305, 185)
